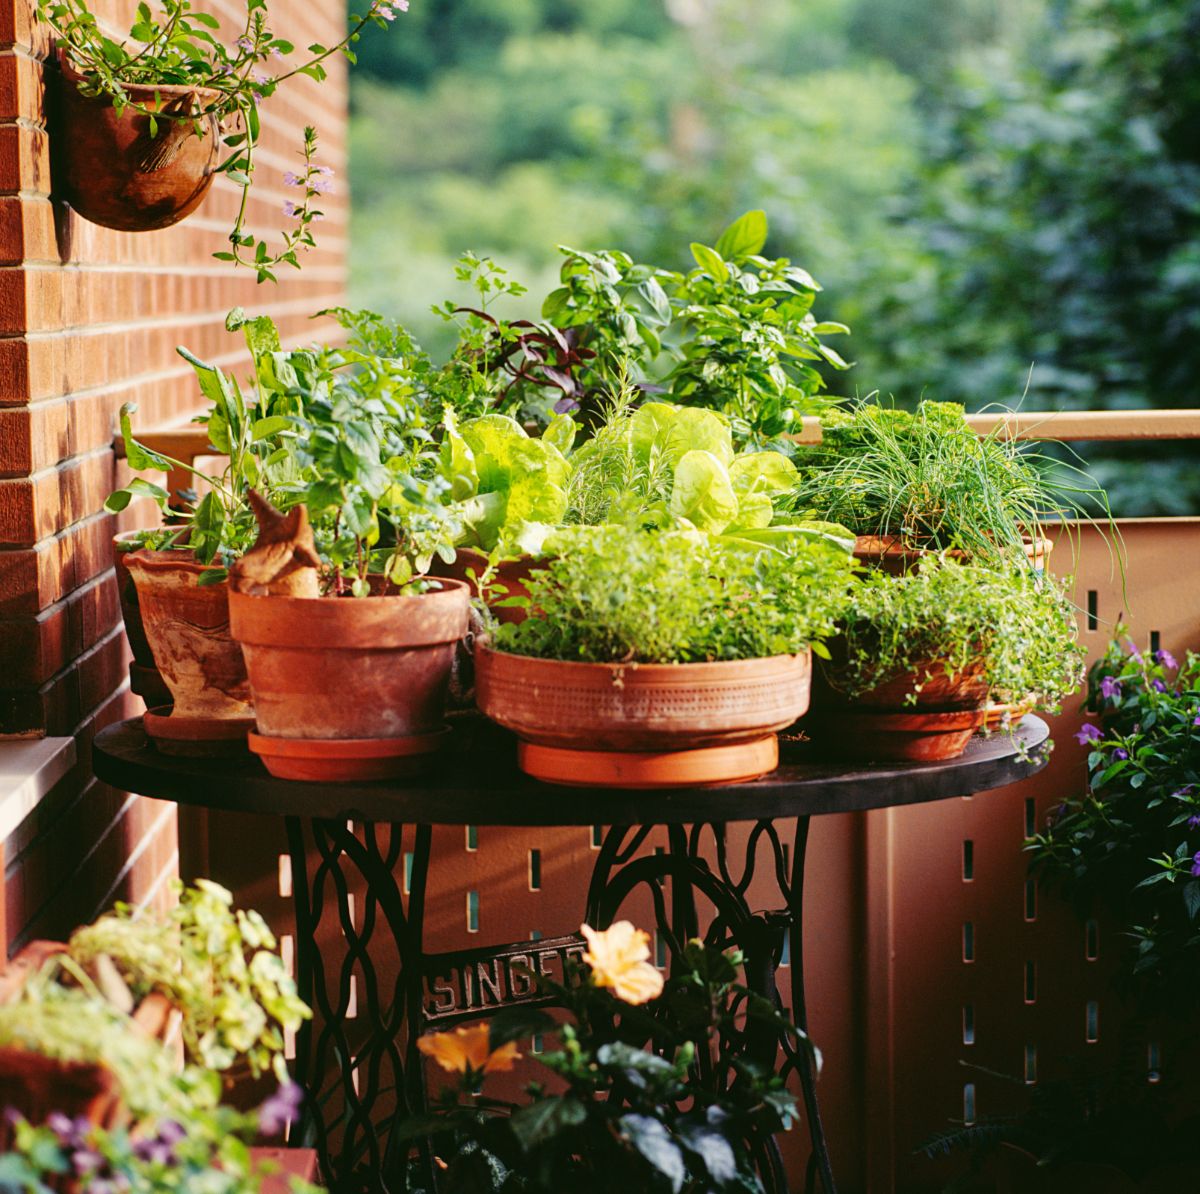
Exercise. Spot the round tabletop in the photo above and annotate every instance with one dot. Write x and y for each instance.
(476, 782)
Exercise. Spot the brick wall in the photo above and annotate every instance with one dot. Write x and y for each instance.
(89, 319)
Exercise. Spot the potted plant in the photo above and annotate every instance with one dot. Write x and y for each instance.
(919, 654)
(911, 483)
(660, 659)
(178, 570)
(147, 119)
(351, 684)
(648, 1089)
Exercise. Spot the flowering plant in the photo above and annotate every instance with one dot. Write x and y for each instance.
(208, 1149)
(1132, 840)
(671, 1114)
(180, 46)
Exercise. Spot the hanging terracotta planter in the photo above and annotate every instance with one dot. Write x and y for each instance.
(349, 688)
(921, 716)
(509, 580)
(895, 556)
(187, 628)
(643, 725)
(145, 680)
(113, 172)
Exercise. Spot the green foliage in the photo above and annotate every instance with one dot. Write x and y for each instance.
(218, 965)
(929, 480)
(179, 46)
(674, 1114)
(946, 616)
(1131, 841)
(620, 596)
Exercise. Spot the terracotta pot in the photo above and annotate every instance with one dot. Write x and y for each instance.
(509, 580)
(197, 737)
(895, 737)
(187, 627)
(896, 721)
(345, 668)
(896, 557)
(114, 173)
(642, 709)
(35, 1086)
(145, 680)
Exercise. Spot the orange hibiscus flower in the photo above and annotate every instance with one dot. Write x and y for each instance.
(620, 961)
(467, 1050)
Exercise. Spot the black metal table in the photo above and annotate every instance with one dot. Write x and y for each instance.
(477, 783)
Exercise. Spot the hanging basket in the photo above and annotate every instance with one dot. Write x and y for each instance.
(115, 173)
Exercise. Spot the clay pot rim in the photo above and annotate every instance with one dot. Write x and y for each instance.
(170, 559)
(650, 673)
(277, 746)
(150, 90)
(934, 722)
(371, 600)
(890, 547)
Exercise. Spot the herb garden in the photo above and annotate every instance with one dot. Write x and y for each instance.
(633, 563)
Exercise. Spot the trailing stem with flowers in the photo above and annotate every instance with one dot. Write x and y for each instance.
(641, 1099)
(1131, 842)
(175, 78)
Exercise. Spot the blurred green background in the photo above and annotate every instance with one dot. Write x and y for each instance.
(1000, 197)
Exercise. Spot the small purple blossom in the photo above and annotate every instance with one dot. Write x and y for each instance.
(245, 44)
(1193, 820)
(292, 179)
(385, 11)
(320, 186)
(170, 1131)
(1110, 688)
(226, 68)
(1196, 863)
(292, 209)
(1087, 732)
(277, 53)
(85, 1161)
(327, 171)
(1121, 754)
(280, 1109)
(1196, 719)
(154, 1151)
(1134, 653)
(1158, 685)
(1166, 658)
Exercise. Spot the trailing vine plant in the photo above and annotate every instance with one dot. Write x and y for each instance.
(179, 46)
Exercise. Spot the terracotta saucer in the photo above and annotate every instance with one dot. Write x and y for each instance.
(330, 760)
(700, 768)
(196, 737)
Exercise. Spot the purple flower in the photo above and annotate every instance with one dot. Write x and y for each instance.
(1166, 658)
(327, 171)
(292, 209)
(320, 186)
(1110, 688)
(171, 1132)
(1193, 820)
(1134, 653)
(226, 68)
(1196, 863)
(1158, 685)
(1120, 754)
(1087, 732)
(245, 44)
(85, 1161)
(277, 53)
(280, 1109)
(1196, 719)
(385, 11)
(292, 179)
(154, 1151)
(1182, 791)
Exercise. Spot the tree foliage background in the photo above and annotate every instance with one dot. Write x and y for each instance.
(1001, 197)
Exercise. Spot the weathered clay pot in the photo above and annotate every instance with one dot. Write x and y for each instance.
(643, 709)
(187, 627)
(509, 580)
(145, 680)
(114, 173)
(343, 670)
(896, 557)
